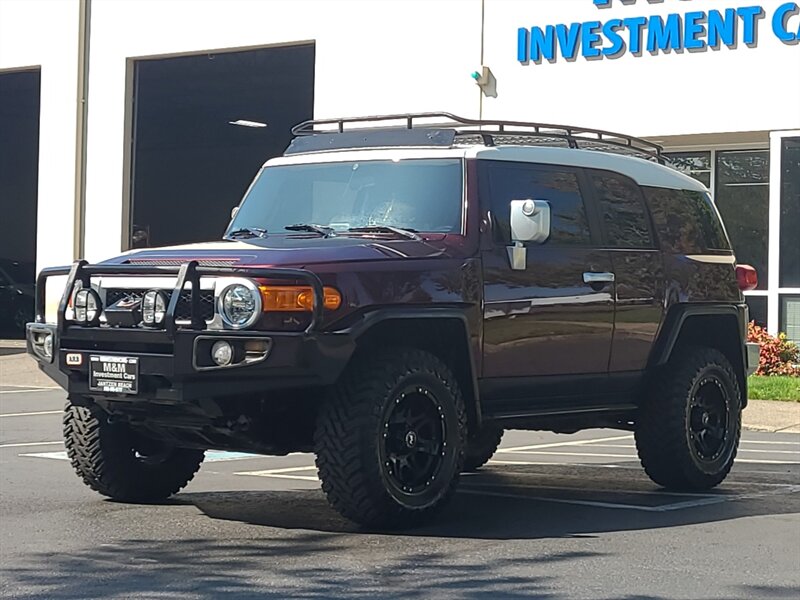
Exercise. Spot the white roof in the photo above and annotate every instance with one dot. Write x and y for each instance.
(643, 172)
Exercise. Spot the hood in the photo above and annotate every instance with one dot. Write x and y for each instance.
(295, 251)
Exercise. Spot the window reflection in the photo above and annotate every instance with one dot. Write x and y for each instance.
(742, 196)
(693, 164)
(790, 213)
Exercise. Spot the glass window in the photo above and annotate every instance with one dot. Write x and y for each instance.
(622, 208)
(694, 164)
(742, 196)
(511, 181)
(790, 213)
(686, 222)
(422, 195)
(758, 309)
(790, 317)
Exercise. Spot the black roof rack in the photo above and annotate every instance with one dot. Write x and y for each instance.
(446, 129)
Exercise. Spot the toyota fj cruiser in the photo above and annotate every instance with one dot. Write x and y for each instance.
(392, 294)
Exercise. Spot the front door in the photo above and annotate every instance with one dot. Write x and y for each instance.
(555, 318)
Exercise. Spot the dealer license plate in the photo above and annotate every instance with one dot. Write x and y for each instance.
(114, 374)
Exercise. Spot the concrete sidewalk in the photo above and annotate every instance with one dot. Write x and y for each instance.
(18, 369)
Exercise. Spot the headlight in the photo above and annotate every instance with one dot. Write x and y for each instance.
(239, 305)
(87, 307)
(154, 308)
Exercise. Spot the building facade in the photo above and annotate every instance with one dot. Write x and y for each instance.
(151, 117)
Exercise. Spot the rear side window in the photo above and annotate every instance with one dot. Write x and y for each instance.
(623, 211)
(686, 221)
(569, 224)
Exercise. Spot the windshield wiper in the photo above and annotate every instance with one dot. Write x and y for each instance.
(320, 229)
(247, 232)
(409, 233)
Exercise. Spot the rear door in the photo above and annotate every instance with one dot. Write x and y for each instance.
(549, 319)
(637, 265)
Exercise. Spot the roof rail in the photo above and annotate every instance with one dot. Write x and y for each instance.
(487, 132)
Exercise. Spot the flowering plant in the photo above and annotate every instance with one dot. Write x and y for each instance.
(779, 355)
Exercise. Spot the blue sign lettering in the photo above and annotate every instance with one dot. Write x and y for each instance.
(780, 23)
(693, 31)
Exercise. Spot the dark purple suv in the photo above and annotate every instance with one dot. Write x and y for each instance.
(392, 297)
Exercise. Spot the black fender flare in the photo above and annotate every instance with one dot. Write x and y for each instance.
(677, 316)
(376, 317)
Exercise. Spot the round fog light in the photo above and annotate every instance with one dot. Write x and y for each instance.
(222, 353)
(48, 346)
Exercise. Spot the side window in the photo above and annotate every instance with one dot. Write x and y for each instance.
(518, 181)
(622, 210)
(686, 221)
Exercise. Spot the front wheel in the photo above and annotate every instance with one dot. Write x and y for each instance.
(116, 462)
(390, 439)
(688, 429)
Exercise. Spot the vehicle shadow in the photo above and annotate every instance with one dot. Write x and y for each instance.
(516, 503)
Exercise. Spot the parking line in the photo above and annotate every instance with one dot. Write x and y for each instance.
(740, 449)
(590, 454)
(32, 414)
(795, 443)
(283, 473)
(767, 462)
(38, 387)
(26, 444)
(27, 391)
(573, 443)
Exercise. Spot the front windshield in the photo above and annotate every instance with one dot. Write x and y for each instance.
(417, 195)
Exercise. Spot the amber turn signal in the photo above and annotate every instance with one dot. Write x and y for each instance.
(296, 298)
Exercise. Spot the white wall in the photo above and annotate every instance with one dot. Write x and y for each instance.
(375, 56)
(45, 33)
(371, 57)
(746, 89)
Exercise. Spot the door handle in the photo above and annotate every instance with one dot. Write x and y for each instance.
(593, 278)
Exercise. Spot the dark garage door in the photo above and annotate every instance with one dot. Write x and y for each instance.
(19, 180)
(199, 138)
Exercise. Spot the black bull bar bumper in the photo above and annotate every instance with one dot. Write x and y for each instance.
(167, 365)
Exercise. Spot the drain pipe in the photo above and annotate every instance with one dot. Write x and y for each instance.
(79, 223)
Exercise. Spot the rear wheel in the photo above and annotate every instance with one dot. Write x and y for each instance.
(390, 439)
(688, 429)
(116, 462)
(482, 446)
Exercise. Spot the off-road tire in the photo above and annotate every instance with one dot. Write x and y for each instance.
(105, 458)
(352, 428)
(664, 430)
(481, 447)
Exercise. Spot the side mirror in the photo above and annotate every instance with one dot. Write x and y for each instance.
(530, 222)
(234, 210)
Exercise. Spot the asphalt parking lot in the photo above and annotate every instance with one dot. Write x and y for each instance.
(550, 517)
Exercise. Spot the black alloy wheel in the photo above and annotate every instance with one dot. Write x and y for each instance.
(689, 423)
(708, 419)
(414, 440)
(390, 438)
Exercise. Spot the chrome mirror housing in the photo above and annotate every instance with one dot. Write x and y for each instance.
(530, 222)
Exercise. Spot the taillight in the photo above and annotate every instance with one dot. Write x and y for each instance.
(746, 277)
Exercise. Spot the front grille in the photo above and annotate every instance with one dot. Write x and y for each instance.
(183, 312)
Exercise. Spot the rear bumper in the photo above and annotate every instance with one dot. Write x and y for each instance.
(752, 356)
